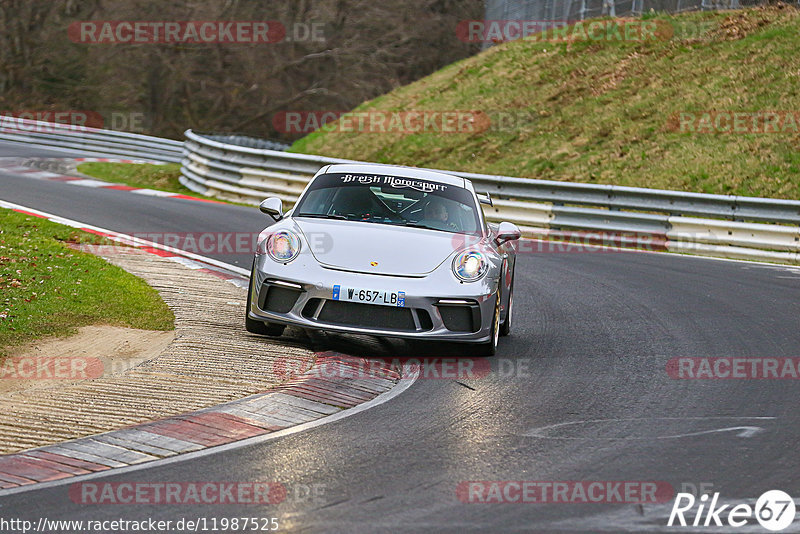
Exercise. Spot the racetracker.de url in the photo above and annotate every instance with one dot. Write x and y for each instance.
(193, 524)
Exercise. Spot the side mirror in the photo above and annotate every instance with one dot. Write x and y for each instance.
(485, 198)
(272, 207)
(507, 232)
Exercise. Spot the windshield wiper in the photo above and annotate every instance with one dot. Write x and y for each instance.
(322, 216)
(412, 224)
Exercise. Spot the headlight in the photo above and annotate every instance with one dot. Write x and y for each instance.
(470, 266)
(283, 246)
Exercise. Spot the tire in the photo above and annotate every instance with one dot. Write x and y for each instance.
(505, 326)
(259, 327)
(490, 348)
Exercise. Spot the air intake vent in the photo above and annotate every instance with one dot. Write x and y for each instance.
(366, 315)
(461, 318)
(277, 299)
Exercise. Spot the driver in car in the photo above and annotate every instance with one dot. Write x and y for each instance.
(358, 203)
(437, 216)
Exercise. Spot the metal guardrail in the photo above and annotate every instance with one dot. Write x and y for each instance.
(717, 225)
(244, 140)
(95, 140)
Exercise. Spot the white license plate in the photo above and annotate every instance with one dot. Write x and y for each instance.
(370, 296)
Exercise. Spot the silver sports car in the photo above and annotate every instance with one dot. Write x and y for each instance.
(386, 251)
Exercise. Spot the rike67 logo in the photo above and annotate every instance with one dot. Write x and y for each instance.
(774, 510)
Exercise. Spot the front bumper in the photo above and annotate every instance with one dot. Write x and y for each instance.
(437, 306)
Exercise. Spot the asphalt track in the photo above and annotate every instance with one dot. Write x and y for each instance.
(592, 337)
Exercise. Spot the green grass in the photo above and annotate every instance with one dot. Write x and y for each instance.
(50, 289)
(604, 111)
(143, 175)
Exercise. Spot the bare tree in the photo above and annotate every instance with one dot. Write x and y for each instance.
(368, 48)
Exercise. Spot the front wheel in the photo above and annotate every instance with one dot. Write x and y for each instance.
(505, 326)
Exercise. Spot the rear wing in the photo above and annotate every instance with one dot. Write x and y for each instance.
(485, 198)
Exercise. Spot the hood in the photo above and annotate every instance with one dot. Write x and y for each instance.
(356, 246)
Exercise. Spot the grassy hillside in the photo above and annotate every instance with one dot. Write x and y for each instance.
(50, 289)
(609, 111)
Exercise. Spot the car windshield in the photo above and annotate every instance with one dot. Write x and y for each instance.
(395, 200)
